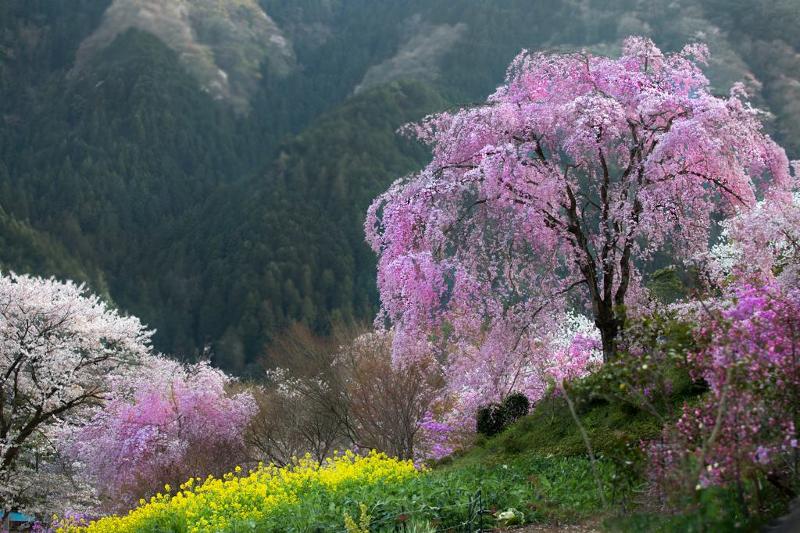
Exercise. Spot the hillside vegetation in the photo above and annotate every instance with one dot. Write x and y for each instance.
(537, 471)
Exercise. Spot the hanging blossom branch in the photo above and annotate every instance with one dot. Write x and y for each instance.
(565, 182)
(553, 196)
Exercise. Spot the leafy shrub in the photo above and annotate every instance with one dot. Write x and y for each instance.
(493, 418)
(649, 374)
(490, 419)
(717, 509)
(515, 406)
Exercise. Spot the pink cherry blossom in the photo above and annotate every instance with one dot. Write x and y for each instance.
(164, 423)
(550, 197)
(558, 189)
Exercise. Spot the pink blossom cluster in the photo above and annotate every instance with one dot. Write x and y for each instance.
(164, 423)
(435, 439)
(750, 358)
(503, 363)
(763, 242)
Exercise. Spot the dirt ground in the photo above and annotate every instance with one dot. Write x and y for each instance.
(573, 528)
(591, 526)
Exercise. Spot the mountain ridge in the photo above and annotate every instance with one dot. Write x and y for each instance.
(223, 43)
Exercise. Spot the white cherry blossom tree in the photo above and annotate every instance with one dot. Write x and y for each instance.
(58, 346)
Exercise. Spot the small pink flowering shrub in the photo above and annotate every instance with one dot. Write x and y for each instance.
(435, 439)
(744, 429)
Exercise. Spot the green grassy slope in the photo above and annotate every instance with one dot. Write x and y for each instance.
(540, 466)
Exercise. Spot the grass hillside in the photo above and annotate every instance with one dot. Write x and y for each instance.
(540, 465)
(546, 454)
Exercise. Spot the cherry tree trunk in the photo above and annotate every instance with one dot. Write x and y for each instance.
(609, 326)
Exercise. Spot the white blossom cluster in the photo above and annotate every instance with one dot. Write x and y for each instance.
(58, 346)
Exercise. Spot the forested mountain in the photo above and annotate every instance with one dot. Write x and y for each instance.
(206, 164)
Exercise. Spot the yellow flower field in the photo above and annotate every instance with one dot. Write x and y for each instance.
(253, 501)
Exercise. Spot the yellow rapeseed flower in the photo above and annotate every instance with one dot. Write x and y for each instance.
(216, 504)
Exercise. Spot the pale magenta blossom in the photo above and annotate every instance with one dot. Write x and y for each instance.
(558, 189)
(551, 196)
(164, 423)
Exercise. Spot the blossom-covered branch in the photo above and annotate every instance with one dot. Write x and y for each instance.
(58, 345)
(571, 175)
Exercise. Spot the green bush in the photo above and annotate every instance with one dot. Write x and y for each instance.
(493, 418)
(490, 419)
(515, 406)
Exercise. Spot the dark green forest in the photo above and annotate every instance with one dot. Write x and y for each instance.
(220, 226)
